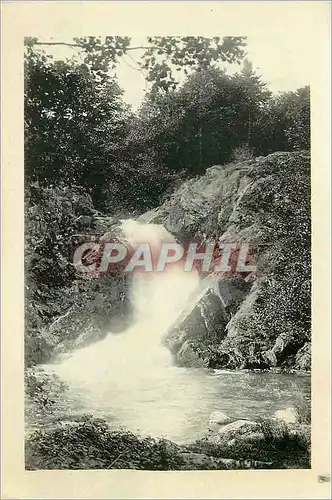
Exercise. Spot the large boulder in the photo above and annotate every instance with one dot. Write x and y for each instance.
(196, 336)
(239, 428)
(218, 418)
(233, 433)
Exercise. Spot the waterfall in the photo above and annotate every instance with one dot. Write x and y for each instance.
(133, 370)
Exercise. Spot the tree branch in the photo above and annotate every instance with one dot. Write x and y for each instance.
(58, 43)
(139, 47)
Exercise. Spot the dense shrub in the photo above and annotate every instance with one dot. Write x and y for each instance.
(89, 443)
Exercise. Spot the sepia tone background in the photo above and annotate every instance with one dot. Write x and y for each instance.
(307, 21)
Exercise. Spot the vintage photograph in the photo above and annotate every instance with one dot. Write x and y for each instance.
(167, 253)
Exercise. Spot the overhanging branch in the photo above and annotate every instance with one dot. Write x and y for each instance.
(66, 44)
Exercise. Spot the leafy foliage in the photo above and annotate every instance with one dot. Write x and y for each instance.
(201, 123)
(161, 57)
(212, 114)
(283, 123)
(75, 124)
(191, 53)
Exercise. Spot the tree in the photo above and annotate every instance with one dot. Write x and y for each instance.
(283, 123)
(161, 57)
(75, 125)
(192, 54)
(200, 123)
(297, 112)
(256, 95)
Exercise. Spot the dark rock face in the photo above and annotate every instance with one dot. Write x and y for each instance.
(206, 204)
(105, 307)
(262, 321)
(200, 330)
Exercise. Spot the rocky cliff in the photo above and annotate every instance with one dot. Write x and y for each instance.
(261, 321)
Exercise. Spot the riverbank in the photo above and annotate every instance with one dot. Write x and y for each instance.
(90, 443)
(238, 435)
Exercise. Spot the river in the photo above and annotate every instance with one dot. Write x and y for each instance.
(130, 380)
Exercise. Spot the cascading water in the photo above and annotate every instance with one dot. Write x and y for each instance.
(129, 378)
(131, 374)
